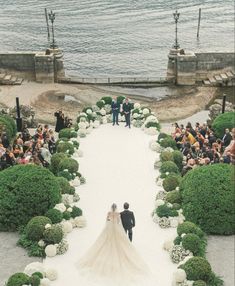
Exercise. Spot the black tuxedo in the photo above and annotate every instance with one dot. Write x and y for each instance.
(128, 221)
(227, 139)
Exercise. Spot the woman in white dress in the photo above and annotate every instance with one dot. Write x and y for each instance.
(112, 258)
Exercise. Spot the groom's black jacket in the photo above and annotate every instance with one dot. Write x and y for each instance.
(128, 219)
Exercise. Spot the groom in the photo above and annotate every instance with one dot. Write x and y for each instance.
(128, 220)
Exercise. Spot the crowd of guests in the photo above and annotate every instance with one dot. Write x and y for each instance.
(201, 146)
(26, 148)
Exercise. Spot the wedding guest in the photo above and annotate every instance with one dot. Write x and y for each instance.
(59, 120)
(126, 108)
(115, 110)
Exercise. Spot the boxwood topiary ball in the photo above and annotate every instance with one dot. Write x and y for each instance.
(54, 215)
(192, 242)
(36, 226)
(199, 283)
(18, 279)
(197, 268)
(189, 227)
(53, 234)
(76, 212)
(171, 182)
(34, 280)
(170, 167)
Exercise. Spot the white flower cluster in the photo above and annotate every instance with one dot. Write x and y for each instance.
(48, 274)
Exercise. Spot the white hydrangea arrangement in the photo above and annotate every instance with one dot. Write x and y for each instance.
(146, 111)
(60, 207)
(51, 274)
(62, 247)
(80, 221)
(89, 111)
(164, 222)
(50, 250)
(178, 253)
(161, 195)
(67, 199)
(66, 227)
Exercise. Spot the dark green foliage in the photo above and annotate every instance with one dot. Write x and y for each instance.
(67, 133)
(199, 283)
(53, 234)
(100, 104)
(176, 206)
(69, 164)
(36, 226)
(75, 144)
(215, 280)
(208, 198)
(107, 99)
(153, 124)
(66, 215)
(39, 274)
(55, 161)
(197, 268)
(76, 212)
(165, 211)
(178, 158)
(163, 136)
(170, 167)
(166, 156)
(172, 180)
(189, 227)
(86, 108)
(34, 280)
(8, 126)
(65, 147)
(64, 185)
(193, 243)
(84, 117)
(65, 174)
(136, 110)
(54, 215)
(174, 197)
(18, 279)
(168, 142)
(32, 247)
(26, 191)
(120, 99)
(225, 120)
(177, 240)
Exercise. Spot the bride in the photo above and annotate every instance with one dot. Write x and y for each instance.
(113, 258)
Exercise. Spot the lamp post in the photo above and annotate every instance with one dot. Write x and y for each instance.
(176, 15)
(52, 19)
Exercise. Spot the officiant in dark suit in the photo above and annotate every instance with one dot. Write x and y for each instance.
(115, 110)
(126, 108)
(128, 220)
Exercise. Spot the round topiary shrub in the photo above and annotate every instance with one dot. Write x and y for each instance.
(192, 242)
(7, 126)
(153, 124)
(53, 234)
(189, 227)
(36, 226)
(223, 121)
(55, 161)
(208, 198)
(34, 280)
(166, 156)
(197, 268)
(120, 99)
(177, 240)
(39, 274)
(67, 133)
(168, 142)
(172, 181)
(199, 283)
(65, 147)
(178, 159)
(26, 191)
(170, 167)
(165, 211)
(100, 104)
(54, 215)
(76, 212)
(65, 174)
(69, 164)
(174, 197)
(176, 206)
(65, 187)
(163, 136)
(18, 279)
(107, 100)
(66, 215)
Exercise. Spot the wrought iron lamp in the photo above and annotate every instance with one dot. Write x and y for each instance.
(176, 15)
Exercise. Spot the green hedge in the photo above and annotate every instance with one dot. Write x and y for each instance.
(100, 104)
(168, 142)
(208, 198)
(69, 164)
(189, 227)
(174, 197)
(192, 242)
(18, 279)
(36, 226)
(165, 211)
(8, 125)
(55, 161)
(53, 234)
(107, 99)
(67, 133)
(65, 187)
(171, 181)
(178, 159)
(26, 191)
(166, 156)
(223, 121)
(65, 147)
(54, 215)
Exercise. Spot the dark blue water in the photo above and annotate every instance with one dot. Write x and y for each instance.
(117, 37)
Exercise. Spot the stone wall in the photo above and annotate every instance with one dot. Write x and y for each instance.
(188, 68)
(36, 66)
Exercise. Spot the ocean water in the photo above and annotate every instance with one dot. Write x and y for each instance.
(108, 38)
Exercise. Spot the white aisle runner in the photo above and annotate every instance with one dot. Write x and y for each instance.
(118, 166)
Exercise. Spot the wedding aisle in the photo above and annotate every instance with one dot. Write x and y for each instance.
(118, 167)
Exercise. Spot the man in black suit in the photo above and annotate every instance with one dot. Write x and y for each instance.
(226, 138)
(115, 110)
(128, 220)
(126, 108)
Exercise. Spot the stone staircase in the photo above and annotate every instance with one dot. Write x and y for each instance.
(7, 79)
(221, 79)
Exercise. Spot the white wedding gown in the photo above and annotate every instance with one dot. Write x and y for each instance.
(112, 260)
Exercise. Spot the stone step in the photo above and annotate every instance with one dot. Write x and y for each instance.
(218, 78)
(18, 81)
(224, 76)
(207, 82)
(7, 77)
(2, 75)
(212, 80)
(230, 74)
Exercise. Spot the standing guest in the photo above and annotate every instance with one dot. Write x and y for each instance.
(59, 120)
(5, 140)
(126, 108)
(177, 130)
(115, 110)
(226, 138)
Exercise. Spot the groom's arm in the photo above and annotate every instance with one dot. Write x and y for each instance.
(133, 219)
